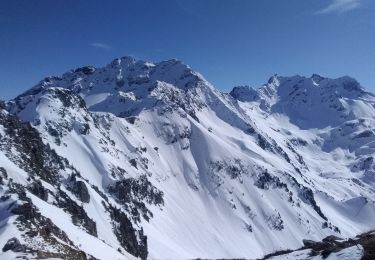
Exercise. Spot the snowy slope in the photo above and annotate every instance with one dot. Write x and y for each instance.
(200, 173)
(45, 218)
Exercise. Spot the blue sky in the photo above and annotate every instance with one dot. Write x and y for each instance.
(231, 42)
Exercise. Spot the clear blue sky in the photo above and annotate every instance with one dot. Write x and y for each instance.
(231, 42)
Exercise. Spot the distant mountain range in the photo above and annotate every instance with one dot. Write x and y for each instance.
(149, 160)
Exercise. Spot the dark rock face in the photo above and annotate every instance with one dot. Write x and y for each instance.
(140, 188)
(85, 129)
(23, 146)
(308, 242)
(367, 240)
(26, 210)
(234, 168)
(367, 163)
(275, 222)
(272, 146)
(131, 119)
(331, 239)
(33, 155)
(79, 189)
(68, 98)
(14, 245)
(307, 196)
(334, 244)
(79, 215)
(38, 190)
(3, 175)
(244, 93)
(120, 82)
(133, 193)
(364, 134)
(263, 143)
(34, 224)
(134, 241)
(133, 162)
(266, 180)
(86, 70)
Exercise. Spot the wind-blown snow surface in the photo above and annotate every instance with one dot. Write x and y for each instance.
(204, 173)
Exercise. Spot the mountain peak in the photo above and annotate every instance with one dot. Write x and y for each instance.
(125, 80)
(125, 60)
(350, 84)
(274, 79)
(244, 93)
(316, 78)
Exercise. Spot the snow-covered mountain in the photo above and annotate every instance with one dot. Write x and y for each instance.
(149, 160)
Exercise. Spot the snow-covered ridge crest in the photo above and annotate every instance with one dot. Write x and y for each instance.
(122, 74)
(305, 99)
(124, 86)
